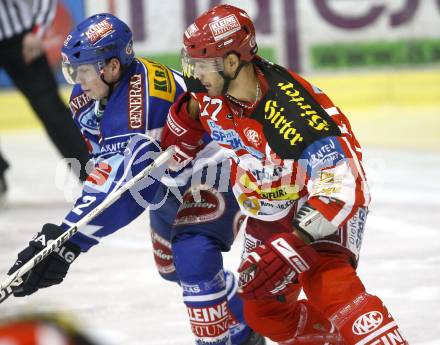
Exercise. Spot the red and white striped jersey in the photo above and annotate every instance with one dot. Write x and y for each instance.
(293, 146)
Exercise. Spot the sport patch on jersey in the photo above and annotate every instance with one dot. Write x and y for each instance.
(283, 192)
(324, 153)
(103, 176)
(200, 204)
(268, 173)
(88, 120)
(253, 206)
(163, 255)
(160, 80)
(355, 230)
(100, 174)
(210, 324)
(328, 183)
(231, 138)
(250, 204)
(136, 103)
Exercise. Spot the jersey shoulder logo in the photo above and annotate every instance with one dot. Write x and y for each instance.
(136, 102)
(89, 121)
(160, 80)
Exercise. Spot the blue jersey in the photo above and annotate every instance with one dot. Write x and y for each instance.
(122, 140)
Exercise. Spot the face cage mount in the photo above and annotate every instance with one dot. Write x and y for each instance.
(70, 71)
(193, 83)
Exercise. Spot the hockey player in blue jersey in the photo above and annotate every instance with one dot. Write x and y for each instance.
(120, 103)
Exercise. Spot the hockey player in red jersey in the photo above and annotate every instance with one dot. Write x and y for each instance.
(297, 173)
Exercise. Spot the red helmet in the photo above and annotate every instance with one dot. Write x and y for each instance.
(221, 30)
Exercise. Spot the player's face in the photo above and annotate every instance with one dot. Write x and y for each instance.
(91, 82)
(206, 70)
(213, 82)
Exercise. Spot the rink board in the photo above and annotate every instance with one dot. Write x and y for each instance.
(393, 109)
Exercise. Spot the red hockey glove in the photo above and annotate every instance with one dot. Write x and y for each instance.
(182, 132)
(271, 268)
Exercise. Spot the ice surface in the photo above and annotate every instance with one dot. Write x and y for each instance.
(115, 292)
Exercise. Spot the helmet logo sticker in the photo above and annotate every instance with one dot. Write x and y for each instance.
(191, 30)
(129, 48)
(67, 40)
(252, 42)
(99, 31)
(224, 27)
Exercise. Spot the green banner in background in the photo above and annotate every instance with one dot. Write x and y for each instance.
(173, 60)
(368, 54)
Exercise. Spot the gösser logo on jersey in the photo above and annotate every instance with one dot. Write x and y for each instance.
(367, 322)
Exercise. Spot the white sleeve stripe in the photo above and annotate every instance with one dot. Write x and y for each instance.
(6, 23)
(121, 136)
(11, 12)
(364, 183)
(87, 230)
(50, 15)
(15, 18)
(37, 5)
(355, 159)
(332, 111)
(347, 209)
(342, 215)
(147, 135)
(45, 13)
(179, 80)
(348, 196)
(25, 12)
(2, 23)
(155, 133)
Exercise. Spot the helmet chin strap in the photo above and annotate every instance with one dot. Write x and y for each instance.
(111, 85)
(103, 102)
(229, 79)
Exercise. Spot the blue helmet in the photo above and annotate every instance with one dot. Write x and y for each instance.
(97, 38)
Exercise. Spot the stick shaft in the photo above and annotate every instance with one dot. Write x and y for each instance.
(14, 280)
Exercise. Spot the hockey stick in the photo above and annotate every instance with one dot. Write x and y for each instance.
(14, 280)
